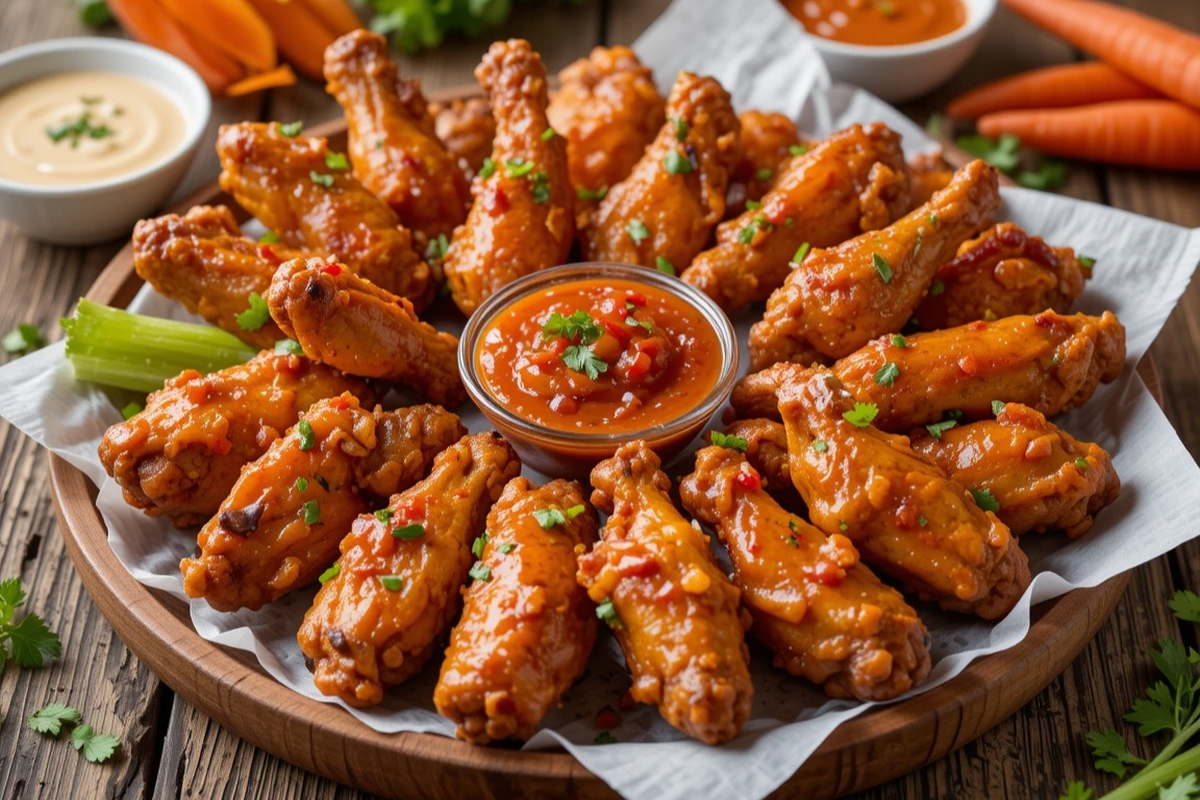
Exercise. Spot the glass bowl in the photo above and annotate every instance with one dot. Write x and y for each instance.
(566, 453)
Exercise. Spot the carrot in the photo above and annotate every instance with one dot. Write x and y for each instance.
(335, 15)
(1148, 133)
(280, 76)
(1157, 54)
(230, 25)
(146, 21)
(1051, 87)
(302, 38)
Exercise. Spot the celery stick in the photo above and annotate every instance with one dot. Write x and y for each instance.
(131, 351)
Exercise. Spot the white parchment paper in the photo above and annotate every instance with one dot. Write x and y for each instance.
(1142, 268)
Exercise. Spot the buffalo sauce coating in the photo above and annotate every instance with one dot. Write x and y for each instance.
(879, 22)
(653, 357)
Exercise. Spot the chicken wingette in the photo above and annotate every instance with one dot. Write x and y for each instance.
(768, 143)
(675, 614)
(527, 626)
(823, 614)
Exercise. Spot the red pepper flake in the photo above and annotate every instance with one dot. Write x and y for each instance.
(411, 508)
(496, 202)
(748, 479)
(828, 573)
(267, 253)
(969, 365)
(636, 298)
(332, 269)
(339, 403)
(978, 326)
(461, 493)
(607, 719)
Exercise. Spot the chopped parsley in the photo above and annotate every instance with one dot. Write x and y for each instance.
(677, 163)
(331, 573)
(256, 315)
(78, 129)
(899, 341)
(541, 187)
(518, 167)
(801, 253)
(481, 572)
(290, 129)
(797, 149)
(393, 583)
(997, 407)
(548, 134)
(764, 174)
(637, 231)
(606, 612)
(592, 194)
(320, 179)
(887, 374)
(730, 442)
(820, 446)
(307, 439)
(759, 223)
(336, 161)
(289, 347)
(937, 428)
(312, 513)
(985, 500)
(1081, 463)
(922, 521)
(882, 267)
(413, 530)
(581, 358)
(488, 169)
(862, 415)
(478, 545)
(681, 128)
(664, 266)
(936, 288)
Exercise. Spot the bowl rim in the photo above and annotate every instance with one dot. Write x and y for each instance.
(155, 59)
(495, 304)
(975, 22)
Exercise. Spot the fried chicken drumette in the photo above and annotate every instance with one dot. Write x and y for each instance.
(394, 151)
(768, 143)
(467, 128)
(527, 628)
(523, 217)
(396, 588)
(675, 614)
(824, 615)
(181, 455)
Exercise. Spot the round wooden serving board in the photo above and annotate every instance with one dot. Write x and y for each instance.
(230, 687)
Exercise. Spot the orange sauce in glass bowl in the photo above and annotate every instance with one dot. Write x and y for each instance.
(879, 22)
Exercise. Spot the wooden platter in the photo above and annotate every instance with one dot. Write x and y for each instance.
(230, 687)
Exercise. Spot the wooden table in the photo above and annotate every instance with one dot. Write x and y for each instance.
(171, 750)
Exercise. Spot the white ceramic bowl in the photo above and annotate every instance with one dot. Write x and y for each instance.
(101, 211)
(901, 72)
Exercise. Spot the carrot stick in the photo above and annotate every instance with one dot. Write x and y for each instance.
(1157, 54)
(1148, 133)
(301, 36)
(280, 76)
(1051, 87)
(230, 25)
(146, 21)
(335, 15)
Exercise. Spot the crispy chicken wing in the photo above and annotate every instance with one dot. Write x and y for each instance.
(349, 323)
(396, 589)
(675, 614)
(280, 526)
(295, 186)
(927, 174)
(608, 108)
(406, 440)
(837, 300)
(527, 628)
(663, 213)
(1049, 361)
(467, 128)
(768, 142)
(902, 513)
(1002, 272)
(824, 615)
(853, 181)
(181, 455)
(1042, 478)
(202, 260)
(394, 152)
(523, 217)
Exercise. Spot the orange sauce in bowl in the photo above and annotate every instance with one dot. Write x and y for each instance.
(879, 22)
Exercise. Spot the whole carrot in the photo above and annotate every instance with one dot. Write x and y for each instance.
(1051, 87)
(1157, 54)
(148, 22)
(1147, 133)
(301, 35)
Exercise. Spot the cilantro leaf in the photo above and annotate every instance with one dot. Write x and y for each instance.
(1110, 753)
(1003, 153)
(49, 720)
(96, 747)
(1155, 712)
(32, 642)
(549, 517)
(12, 596)
(664, 266)
(1076, 790)
(731, 442)
(637, 231)
(1186, 606)
(938, 428)
(887, 374)
(985, 500)
(580, 358)
(579, 327)
(862, 415)
(256, 315)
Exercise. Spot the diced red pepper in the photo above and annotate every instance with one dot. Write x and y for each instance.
(332, 269)
(607, 719)
(619, 331)
(636, 298)
(411, 508)
(639, 367)
(748, 479)
(648, 347)
(267, 252)
(496, 202)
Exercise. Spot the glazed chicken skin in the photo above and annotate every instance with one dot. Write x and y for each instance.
(347, 322)
(927, 174)
(903, 514)
(766, 451)
(1042, 477)
(180, 456)
(202, 260)
(837, 300)
(1002, 272)
(768, 143)
(281, 524)
(674, 612)
(467, 128)
(608, 108)
(288, 184)
(393, 152)
(527, 628)
(854, 181)
(823, 615)
(523, 218)
(663, 213)
(377, 621)
(1050, 362)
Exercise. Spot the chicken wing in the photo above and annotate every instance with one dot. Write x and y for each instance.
(608, 108)
(1002, 272)
(927, 174)
(406, 440)
(662, 214)
(344, 321)
(181, 455)
(768, 142)
(280, 526)
(300, 189)
(675, 614)
(523, 218)
(527, 627)
(824, 615)
(202, 260)
(394, 153)
(1042, 478)
(467, 128)
(395, 590)
(902, 513)
(837, 300)
(853, 181)
(1049, 361)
